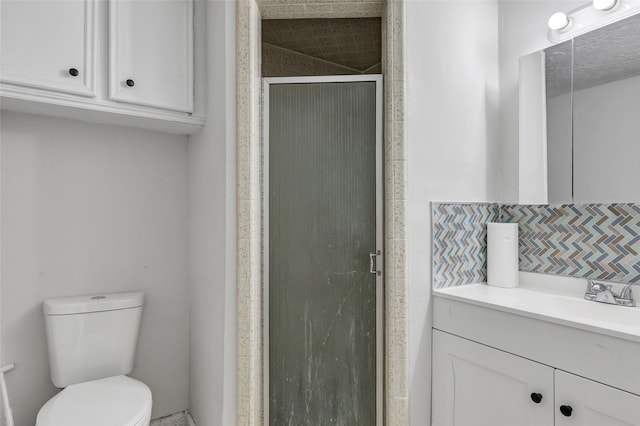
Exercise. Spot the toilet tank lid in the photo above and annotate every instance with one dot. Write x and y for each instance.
(93, 303)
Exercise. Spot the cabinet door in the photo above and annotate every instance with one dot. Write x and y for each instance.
(42, 40)
(151, 53)
(475, 385)
(593, 404)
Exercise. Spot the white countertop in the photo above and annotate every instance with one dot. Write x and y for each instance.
(553, 299)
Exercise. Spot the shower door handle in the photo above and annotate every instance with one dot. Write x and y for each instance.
(373, 262)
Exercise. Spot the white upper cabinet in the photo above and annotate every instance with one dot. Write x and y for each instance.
(123, 62)
(49, 45)
(151, 53)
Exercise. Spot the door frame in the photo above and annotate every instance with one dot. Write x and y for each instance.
(248, 356)
(266, 84)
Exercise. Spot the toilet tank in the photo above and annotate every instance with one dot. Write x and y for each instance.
(92, 337)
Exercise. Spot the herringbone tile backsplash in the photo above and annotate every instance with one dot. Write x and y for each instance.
(460, 242)
(597, 241)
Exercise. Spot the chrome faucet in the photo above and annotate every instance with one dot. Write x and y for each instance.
(600, 292)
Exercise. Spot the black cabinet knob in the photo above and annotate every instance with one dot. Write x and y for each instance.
(566, 410)
(73, 72)
(536, 397)
(130, 83)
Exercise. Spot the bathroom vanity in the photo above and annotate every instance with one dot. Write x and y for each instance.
(537, 355)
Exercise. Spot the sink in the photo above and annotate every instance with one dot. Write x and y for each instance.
(561, 302)
(597, 313)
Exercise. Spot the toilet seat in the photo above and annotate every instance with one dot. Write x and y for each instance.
(114, 401)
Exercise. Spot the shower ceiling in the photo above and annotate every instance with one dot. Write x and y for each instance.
(350, 42)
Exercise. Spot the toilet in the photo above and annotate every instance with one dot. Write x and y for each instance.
(91, 342)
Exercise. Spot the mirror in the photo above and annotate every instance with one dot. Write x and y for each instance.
(558, 85)
(589, 116)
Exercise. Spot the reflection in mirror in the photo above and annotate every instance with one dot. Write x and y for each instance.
(580, 109)
(558, 94)
(606, 114)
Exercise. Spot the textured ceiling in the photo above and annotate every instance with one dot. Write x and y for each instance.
(306, 9)
(602, 56)
(350, 42)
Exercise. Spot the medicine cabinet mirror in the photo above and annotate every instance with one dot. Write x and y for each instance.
(580, 118)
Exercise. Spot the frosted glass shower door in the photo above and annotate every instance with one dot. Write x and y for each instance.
(323, 181)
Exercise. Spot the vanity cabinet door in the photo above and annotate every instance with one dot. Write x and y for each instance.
(48, 45)
(582, 402)
(475, 385)
(151, 53)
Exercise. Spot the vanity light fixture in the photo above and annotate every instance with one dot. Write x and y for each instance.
(604, 5)
(559, 22)
(598, 13)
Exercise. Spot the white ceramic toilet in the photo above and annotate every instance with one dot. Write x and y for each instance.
(92, 344)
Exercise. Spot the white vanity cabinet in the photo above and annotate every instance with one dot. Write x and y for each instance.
(475, 385)
(531, 355)
(151, 53)
(126, 62)
(49, 45)
(593, 403)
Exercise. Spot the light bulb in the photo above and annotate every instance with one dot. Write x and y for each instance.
(559, 21)
(604, 5)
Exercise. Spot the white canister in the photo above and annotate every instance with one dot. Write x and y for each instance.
(502, 254)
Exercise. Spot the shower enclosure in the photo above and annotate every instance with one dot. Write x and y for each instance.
(323, 250)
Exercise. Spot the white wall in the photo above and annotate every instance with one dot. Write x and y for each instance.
(523, 30)
(90, 209)
(2, 360)
(452, 134)
(212, 373)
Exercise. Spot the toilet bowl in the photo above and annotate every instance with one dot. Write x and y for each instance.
(113, 401)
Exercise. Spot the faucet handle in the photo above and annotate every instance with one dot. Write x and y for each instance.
(626, 293)
(594, 287)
